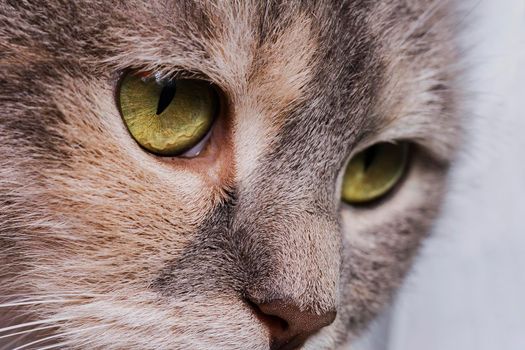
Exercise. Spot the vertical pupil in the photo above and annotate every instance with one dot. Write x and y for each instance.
(370, 155)
(166, 96)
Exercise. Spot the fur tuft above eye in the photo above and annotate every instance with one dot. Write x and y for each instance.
(167, 117)
(374, 172)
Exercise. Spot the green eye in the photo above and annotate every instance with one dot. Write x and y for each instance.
(168, 117)
(374, 172)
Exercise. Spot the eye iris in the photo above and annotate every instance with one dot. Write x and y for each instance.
(167, 119)
(374, 172)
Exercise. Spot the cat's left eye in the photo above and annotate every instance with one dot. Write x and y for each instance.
(167, 117)
(374, 172)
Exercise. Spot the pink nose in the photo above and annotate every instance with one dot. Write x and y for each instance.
(289, 326)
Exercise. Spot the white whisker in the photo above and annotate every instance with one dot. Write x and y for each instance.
(23, 303)
(54, 346)
(27, 331)
(11, 344)
(54, 295)
(38, 341)
(34, 323)
(57, 336)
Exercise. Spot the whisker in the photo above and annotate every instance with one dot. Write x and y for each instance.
(57, 336)
(23, 303)
(54, 346)
(27, 331)
(15, 341)
(33, 323)
(25, 346)
(38, 341)
(35, 296)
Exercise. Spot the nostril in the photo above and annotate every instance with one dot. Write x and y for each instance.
(289, 327)
(274, 323)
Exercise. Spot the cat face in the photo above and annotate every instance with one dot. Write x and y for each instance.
(247, 244)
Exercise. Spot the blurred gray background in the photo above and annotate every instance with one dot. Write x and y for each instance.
(467, 290)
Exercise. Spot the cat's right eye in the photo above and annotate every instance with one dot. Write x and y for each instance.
(167, 117)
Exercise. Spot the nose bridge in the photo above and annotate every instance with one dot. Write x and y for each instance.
(287, 221)
(294, 256)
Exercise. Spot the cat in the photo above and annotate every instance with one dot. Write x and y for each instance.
(244, 242)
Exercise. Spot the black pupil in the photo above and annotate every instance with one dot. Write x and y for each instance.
(166, 96)
(370, 155)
